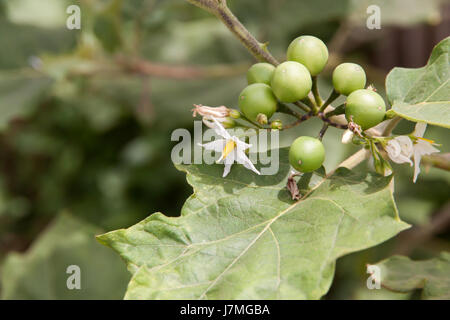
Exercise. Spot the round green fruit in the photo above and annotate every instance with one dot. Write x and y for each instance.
(257, 98)
(260, 73)
(348, 77)
(309, 51)
(365, 107)
(306, 154)
(291, 81)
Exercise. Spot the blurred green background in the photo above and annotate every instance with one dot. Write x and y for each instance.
(86, 117)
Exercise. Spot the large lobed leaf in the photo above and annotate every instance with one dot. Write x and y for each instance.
(423, 94)
(242, 237)
(401, 274)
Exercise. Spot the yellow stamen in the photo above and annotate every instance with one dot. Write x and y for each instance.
(427, 140)
(228, 148)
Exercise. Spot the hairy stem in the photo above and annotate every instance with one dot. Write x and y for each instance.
(220, 9)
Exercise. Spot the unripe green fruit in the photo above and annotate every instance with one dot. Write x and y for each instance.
(348, 77)
(257, 98)
(309, 51)
(260, 73)
(306, 154)
(291, 81)
(365, 107)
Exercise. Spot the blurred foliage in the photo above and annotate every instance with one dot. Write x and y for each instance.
(80, 132)
(42, 272)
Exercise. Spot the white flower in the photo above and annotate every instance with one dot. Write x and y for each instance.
(219, 113)
(422, 147)
(231, 147)
(402, 148)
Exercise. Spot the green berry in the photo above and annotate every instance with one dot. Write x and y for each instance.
(260, 73)
(291, 81)
(365, 107)
(348, 77)
(309, 51)
(257, 98)
(306, 154)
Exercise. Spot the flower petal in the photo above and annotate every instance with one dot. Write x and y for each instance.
(241, 144)
(393, 149)
(216, 145)
(417, 158)
(226, 169)
(424, 147)
(220, 130)
(242, 158)
(406, 145)
(228, 162)
(420, 128)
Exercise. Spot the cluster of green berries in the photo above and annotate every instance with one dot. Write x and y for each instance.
(292, 81)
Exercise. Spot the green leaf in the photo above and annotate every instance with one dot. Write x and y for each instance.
(242, 237)
(423, 94)
(40, 273)
(20, 93)
(401, 274)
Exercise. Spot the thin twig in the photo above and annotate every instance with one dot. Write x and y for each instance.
(183, 72)
(418, 235)
(220, 9)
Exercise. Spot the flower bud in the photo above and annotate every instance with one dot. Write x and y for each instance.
(261, 118)
(208, 112)
(276, 125)
(235, 114)
(228, 123)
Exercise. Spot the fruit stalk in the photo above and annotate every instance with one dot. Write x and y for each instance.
(333, 96)
(315, 90)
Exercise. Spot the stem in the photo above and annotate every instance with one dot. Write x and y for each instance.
(419, 235)
(333, 96)
(302, 106)
(300, 120)
(312, 103)
(220, 9)
(315, 90)
(441, 161)
(336, 112)
(331, 123)
(183, 72)
(243, 117)
(323, 130)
